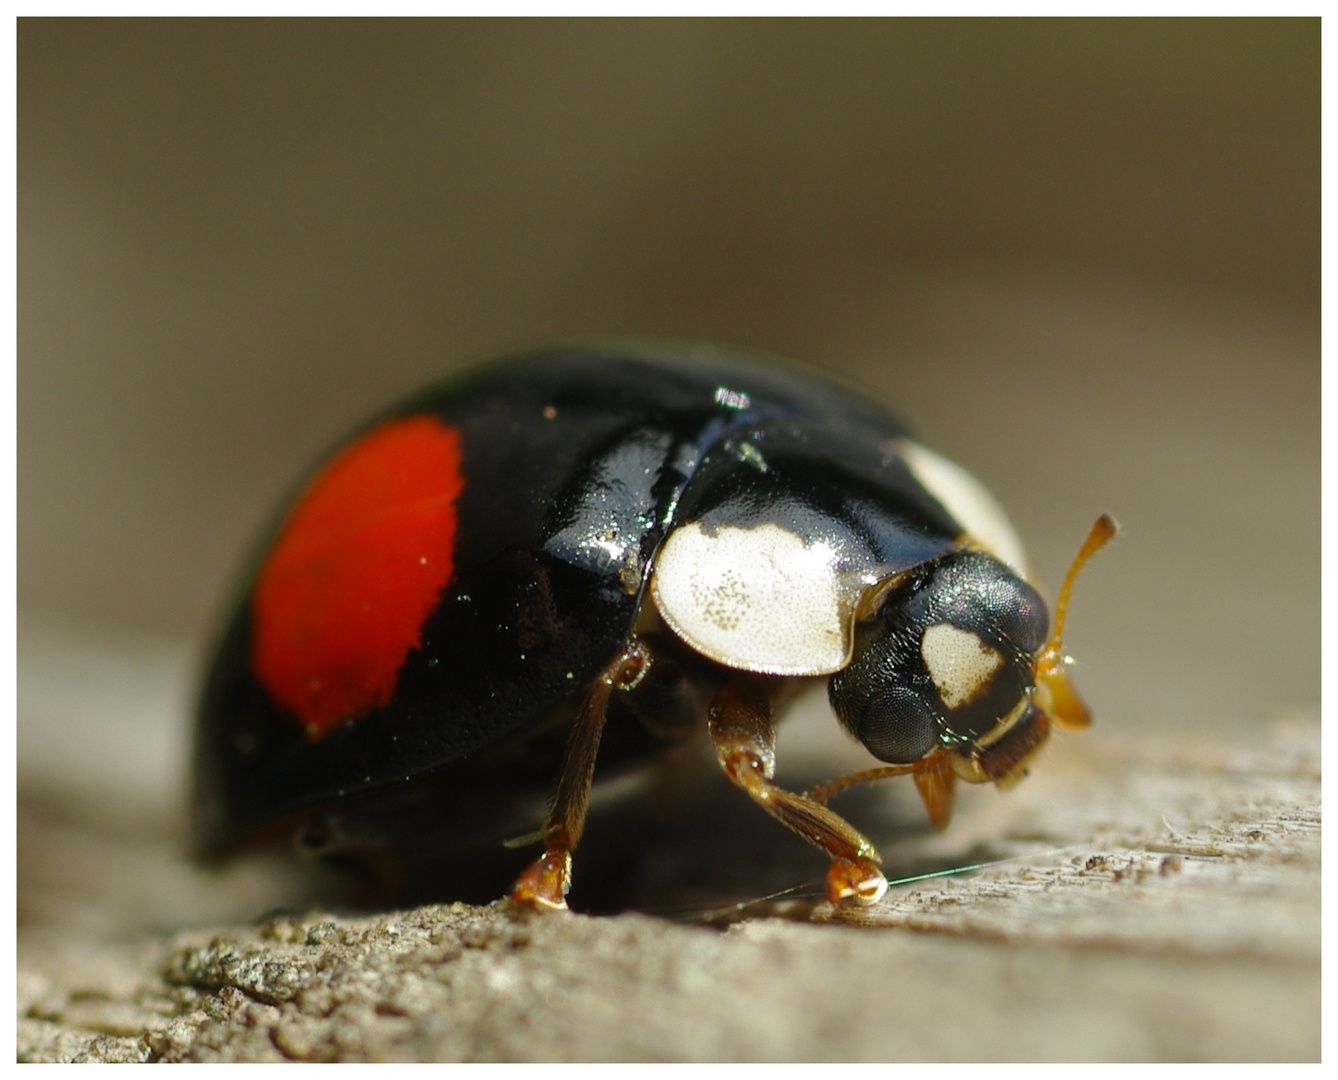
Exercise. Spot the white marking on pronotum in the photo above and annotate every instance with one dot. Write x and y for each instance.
(759, 599)
(959, 662)
(966, 499)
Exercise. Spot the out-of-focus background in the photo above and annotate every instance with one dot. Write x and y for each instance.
(1079, 257)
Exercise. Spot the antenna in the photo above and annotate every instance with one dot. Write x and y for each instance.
(1057, 698)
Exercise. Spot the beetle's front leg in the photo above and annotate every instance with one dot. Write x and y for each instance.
(544, 883)
(934, 779)
(744, 735)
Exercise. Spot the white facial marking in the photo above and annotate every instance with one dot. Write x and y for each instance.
(959, 662)
(966, 499)
(757, 599)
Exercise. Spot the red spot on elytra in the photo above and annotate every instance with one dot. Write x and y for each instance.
(357, 569)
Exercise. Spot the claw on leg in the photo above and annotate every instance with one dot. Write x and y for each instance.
(544, 883)
(855, 879)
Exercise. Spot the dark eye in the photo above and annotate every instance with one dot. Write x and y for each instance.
(980, 594)
(898, 727)
(1022, 617)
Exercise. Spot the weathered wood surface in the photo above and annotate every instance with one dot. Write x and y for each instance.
(1161, 901)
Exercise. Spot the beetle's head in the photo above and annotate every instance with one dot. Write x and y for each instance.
(957, 666)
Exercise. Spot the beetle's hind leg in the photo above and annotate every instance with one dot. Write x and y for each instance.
(744, 735)
(544, 883)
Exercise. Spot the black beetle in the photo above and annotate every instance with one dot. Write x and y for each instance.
(465, 593)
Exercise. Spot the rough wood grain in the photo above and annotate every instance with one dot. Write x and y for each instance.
(1178, 919)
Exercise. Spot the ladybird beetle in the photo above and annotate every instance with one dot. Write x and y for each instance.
(614, 542)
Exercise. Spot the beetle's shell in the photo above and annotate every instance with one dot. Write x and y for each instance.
(561, 474)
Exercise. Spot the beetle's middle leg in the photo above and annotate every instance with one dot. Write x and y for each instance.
(744, 735)
(544, 883)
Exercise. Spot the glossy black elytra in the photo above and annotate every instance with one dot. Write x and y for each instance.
(647, 534)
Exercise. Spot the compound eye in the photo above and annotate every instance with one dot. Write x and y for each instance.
(898, 726)
(1023, 619)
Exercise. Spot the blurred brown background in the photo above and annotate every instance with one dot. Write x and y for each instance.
(1080, 257)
